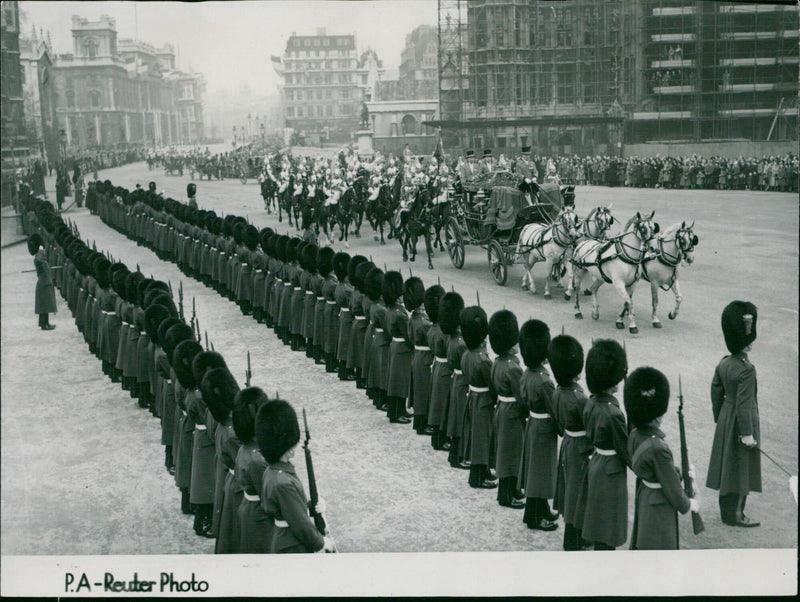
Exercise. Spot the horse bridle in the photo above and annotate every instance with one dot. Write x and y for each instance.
(622, 246)
(685, 241)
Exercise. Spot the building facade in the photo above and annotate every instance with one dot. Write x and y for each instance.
(14, 135)
(39, 97)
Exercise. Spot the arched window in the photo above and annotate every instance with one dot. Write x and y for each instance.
(91, 48)
(409, 125)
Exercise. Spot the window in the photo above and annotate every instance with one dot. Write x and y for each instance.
(328, 94)
(328, 110)
(188, 91)
(91, 48)
(290, 111)
(288, 95)
(299, 95)
(70, 94)
(319, 94)
(299, 111)
(94, 98)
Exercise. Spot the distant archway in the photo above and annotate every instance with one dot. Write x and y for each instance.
(409, 125)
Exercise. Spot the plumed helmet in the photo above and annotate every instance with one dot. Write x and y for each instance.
(646, 395)
(361, 275)
(354, 262)
(182, 358)
(433, 297)
(534, 337)
(34, 242)
(474, 326)
(153, 316)
(277, 429)
(341, 261)
(250, 237)
(413, 293)
(245, 409)
(565, 356)
(503, 331)
(174, 335)
(309, 258)
(606, 365)
(450, 308)
(205, 361)
(391, 287)
(739, 325)
(191, 189)
(325, 257)
(218, 388)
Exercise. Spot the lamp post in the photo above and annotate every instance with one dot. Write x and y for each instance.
(263, 133)
(234, 136)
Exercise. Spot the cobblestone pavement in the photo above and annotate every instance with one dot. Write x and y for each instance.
(83, 469)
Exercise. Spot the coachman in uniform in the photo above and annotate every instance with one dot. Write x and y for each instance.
(735, 465)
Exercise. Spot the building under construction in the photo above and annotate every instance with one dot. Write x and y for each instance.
(588, 76)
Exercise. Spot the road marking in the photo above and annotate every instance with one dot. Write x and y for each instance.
(794, 311)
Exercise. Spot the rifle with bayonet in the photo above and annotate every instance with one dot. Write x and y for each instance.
(180, 300)
(688, 485)
(313, 494)
(248, 375)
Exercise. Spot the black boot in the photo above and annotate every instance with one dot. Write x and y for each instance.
(186, 506)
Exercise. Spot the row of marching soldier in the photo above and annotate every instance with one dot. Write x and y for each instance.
(229, 450)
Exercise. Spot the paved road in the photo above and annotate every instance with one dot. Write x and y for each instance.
(386, 489)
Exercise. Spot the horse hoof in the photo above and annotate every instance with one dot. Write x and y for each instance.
(405, 259)
(383, 242)
(375, 238)
(525, 287)
(619, 325)
(548, 296)
(671, 316)
(430, 266)
(280, 219)
(578, 316)
(633, 330)
(412, 259)
(656, 324)
(587, 293)
(595, 315)
(567, 296)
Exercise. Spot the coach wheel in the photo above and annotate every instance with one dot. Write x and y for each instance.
(455, 243)
(497, 263)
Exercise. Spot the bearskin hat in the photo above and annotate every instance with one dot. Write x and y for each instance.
(227, 225)
(191, 189)
(413, 293)
(101, 272)
(325, 261)
(646, 395)
(151, 186)
(474, 326)
(154, 316)
(606, 365)
(360, 275)
(182, 358)
(163, 299)
(534, 337)
(433, 297)
(739, 325)
(450, 308)
(118, 280)
(280, 247)
(132, 287)
(341, 262)
(163, 327)
(503, 331)
(291, 250)
(391, 287)
(34, 242)
(142, 288)
(205, 361)
(209, 220)
(174, 336)
(218, 388)
(245, 409)
(309, 258)
(250, 237)
(565, 356)
(263, 238)
(277, 429)
(352, 265)
(373, 283)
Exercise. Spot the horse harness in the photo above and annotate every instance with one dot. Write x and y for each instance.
(664, 258)
(540, 239)
(620, 252)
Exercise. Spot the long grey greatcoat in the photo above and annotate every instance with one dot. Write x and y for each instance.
(510, 416)
(343, 293)
(537, 474)
(458, 389)
(419, 389)
(477, 368)
(441, 376)
(734, 468)
(655, 519)
(255, 527)
(606, 518)
(401, 352)
(227, 492)
(45, 300)
(201, 488)
(573, 460)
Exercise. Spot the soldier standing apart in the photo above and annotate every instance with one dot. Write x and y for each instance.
(659, 494)
(45, 300)
(191, 192)
(605, 523)
(735, 465)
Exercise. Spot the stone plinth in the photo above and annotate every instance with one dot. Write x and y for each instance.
(364, 138)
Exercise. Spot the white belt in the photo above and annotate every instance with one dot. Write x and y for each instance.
(360, 317)
(108, 313)
(539, 416)
(506, 399)
(281, 523)
(259, 271)
(200, 427)
(441, 360)
(652, 485)
(320, 298)
(222, 253)
(308, 292)
(398, 339)
(330, 302)
(575, 433)
(457, 371)
(297, 288)
(143, 333)
(231, 471)
(343, 309)
(421, 348)
(378, 329)
(605, 452)
(479, 389)
(255, 498)
(184, 412)
(290, 284)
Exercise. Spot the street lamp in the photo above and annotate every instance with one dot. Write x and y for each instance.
(234, 136)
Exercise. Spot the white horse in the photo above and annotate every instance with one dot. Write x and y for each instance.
(595, 226)
(660, 264)
(550, 244)
(615, 261)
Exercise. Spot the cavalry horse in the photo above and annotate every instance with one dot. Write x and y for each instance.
(616, 261)
(317, 200)
(360, 189)
(344, 214)
(413, 221)
(269, 189)
(439, 208)
(380, 210)
(660, 264)
(551, 244)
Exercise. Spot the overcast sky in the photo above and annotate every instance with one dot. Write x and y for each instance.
(231, 42)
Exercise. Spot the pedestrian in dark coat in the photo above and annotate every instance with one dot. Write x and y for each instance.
(45, 298)
(255, 527)
(401, 348)
(442, 375)
(477, 368)
(735, 465)
(565, 356)
(537, 474)
(417, 300)
(511, 412)
(283, 497)
(605, 523)
(659, 493)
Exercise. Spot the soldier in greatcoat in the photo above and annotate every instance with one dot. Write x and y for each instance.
(659, 492)
(45, 298)
(565, 356)
(735, 465)
(344, 294)
(401, 348)
(605, 522)
(376, 343)
(335, 292)
(417, 300)
(442, 374)
(511, 412)
(537, 475)
(457, 405)
(355, 348)
(312, 288)
(481, 399)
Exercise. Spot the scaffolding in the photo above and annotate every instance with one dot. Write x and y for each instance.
(453, 82)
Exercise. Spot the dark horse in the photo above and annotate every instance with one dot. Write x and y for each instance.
(269, 189)
(415, 221)
(381, 210)
(320, 212)
(439, 211)
(360, 193)
(344, 213)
